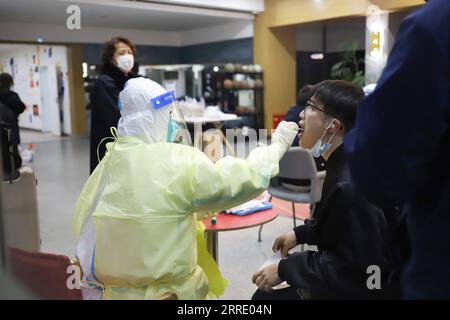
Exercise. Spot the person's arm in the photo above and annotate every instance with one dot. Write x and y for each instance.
(299, 235)
(306, 233)
(232, 181)
(16, 104)
(352, 238)
(104, 102)
(399, 127)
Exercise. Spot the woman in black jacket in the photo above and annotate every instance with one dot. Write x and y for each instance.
(118, 62)
(12, 101)
(350, 233)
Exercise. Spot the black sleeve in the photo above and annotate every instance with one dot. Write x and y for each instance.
(16, 105)
(104, 115)
(352, 237)
(306, 233)
(293, 114)
(410, 91)
(104, 100)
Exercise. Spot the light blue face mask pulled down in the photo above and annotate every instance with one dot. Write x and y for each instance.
(177, 131)
(172, 129)
(165, 100)
(320, 148)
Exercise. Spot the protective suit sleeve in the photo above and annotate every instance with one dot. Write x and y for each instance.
(88, 199)
(232, 181)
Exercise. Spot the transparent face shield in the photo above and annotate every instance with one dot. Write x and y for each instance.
(177, 131)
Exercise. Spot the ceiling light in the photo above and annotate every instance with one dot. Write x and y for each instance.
(317, 56)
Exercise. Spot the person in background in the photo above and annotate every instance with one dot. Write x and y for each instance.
(294, 112)
(349, 232)
(399, 150)
(118, 63)
(11, 159)
(301, 185)
(12, 101)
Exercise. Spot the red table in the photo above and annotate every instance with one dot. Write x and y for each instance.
(230, 222)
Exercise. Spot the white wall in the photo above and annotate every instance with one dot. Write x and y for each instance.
(57, 33)
(25, 68)
(238, 30)
(241, 5)
(52, 33)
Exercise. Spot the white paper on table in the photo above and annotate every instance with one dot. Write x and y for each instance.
(275, 259)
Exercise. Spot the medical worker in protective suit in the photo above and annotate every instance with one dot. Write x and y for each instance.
(136, 217)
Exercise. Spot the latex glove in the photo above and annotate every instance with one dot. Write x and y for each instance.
(285, 134)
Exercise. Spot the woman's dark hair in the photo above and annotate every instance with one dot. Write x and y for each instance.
(110, 48)
(340, 99)
(303, 95)
(6, 81)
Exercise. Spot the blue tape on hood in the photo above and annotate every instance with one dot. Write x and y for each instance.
(163, 100)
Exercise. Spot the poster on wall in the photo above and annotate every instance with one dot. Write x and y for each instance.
(35, 110)
(38, 55)
(31, 77)
(11, 64)
(40, 71)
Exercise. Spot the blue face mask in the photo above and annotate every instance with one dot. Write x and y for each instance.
(320, 148)
(172, 130)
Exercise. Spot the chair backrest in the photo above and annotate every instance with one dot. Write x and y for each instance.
(20, 211)
(43, 274)
(298, 163)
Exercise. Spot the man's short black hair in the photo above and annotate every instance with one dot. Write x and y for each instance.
(303, 95)
(340, 99)
(6, 81)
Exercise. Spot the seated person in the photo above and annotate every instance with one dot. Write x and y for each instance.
(293, 115)
(349, 232)
(135, 219)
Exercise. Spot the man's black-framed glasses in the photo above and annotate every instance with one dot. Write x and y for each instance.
(310, 105)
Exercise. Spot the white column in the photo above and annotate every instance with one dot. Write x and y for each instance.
(377, 42)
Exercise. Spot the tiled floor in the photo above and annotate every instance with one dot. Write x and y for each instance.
(62, 167)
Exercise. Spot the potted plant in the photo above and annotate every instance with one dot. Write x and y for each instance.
(349, 68)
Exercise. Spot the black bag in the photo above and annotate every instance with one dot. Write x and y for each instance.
(11, 159)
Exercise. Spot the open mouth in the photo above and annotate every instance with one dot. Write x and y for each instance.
(300, 129)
